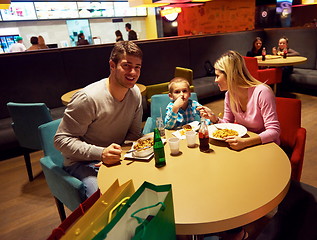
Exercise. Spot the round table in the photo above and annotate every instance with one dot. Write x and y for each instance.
(68, 96)
(279, 61)
(212, 192)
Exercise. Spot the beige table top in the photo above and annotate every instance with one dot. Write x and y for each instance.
(67, 96)
(279, 61)
(215, 191)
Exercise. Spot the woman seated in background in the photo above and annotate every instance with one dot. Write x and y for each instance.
(119, 36)
(248, 102)
(41, 43)
(283, 46)
(35, 44)
(82, 40)
(257, 47)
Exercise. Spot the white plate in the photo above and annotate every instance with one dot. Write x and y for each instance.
(146, 158)
(237, 127)
(179, 133)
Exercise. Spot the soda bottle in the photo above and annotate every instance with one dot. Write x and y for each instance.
(285, 53)
(203, 136)
(263, 54)
(158, 147)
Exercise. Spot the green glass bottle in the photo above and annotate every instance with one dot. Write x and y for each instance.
(158, 147)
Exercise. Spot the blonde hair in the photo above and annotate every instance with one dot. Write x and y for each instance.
(177, 80)
(233, 66)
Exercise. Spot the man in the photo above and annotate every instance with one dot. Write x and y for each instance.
(101, 116)
(131, 33)
(18, 46)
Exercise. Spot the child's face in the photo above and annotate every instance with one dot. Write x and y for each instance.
(180, 90)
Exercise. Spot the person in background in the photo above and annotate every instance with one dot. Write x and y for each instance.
(287, 70)
(282, 46)
(42, 44)
(81, 40)
(181, 110)
(18, 45)
(248, 102)
(119, 36)
(35, 44)
(101, 116)
(131, 33)
(257, 47)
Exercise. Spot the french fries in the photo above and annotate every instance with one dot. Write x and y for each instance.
(222, 133)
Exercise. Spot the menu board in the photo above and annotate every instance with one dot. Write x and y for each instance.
(56, 10)
(122, 9)
(68, 10)
(141, 11)
(19, 11)
(95, 9)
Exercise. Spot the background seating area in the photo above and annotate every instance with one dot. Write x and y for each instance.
(44, 76)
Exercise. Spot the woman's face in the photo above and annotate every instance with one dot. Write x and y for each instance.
(282, 43)
(258, 44)
(221, 80)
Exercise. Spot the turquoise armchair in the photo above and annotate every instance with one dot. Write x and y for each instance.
(66, 189)
(158, 104)
(26, 118)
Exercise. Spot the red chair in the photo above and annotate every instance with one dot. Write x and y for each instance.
(293, 136)
(270, 76)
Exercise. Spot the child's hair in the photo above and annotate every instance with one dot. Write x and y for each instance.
(177, 80)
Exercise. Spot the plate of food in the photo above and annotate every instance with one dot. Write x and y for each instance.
(225, 130)
(181, 134)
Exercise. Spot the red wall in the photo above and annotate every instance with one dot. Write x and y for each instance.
(217, 16)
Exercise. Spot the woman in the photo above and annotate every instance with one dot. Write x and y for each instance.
(282, 46)
(119, 36)
(41, 42)
(256, 48)
(248, 102)
(82, 40)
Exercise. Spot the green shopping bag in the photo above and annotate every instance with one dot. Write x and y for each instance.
(148, 214)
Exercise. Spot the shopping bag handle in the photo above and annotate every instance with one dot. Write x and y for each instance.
(140, 220)
(122, 202)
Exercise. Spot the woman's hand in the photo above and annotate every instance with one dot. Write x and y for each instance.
(112, 154)
(274, 51)
(236, 143)
(207, 113)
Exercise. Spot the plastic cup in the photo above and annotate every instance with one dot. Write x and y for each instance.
(191, 139)
(174, 145)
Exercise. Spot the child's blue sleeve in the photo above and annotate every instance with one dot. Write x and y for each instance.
(170, 118)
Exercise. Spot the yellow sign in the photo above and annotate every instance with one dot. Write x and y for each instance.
(4, 4)
(170, 11)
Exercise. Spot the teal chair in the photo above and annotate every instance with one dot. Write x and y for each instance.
(159, 103)
(66, 189)
(26, 118)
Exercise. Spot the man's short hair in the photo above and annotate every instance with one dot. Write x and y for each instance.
(128, 25)
(34, 40)
(177, 80)
(124, 48)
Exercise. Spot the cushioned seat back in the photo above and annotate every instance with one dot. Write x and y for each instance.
(252, 65)
(47, 132)
(289, 116)
(26, 117)
(184, 73)
(159, 103)
(160, 88)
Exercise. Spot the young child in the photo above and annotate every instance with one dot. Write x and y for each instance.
(181, 110)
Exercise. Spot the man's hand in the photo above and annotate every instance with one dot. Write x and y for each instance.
(112, 154)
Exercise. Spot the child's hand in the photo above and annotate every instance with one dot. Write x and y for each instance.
(178, 103)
